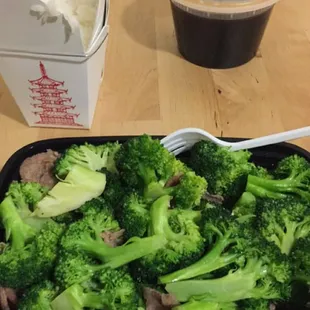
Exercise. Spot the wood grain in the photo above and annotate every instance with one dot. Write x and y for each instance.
(149, 88)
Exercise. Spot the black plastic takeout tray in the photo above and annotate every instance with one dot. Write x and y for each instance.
(267, 156)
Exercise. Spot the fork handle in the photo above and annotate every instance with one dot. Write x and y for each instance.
(267, 140)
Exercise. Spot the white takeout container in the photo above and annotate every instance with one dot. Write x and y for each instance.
(100, 19)
(56, 91)
(24, 30)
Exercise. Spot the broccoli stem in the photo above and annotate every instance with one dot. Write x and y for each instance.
(262, 192)
(289, 237)
(232, 287)
(155, 190)
(15, 229)
(74, 298)
(267, 187)
(147, 174)
(212, 261)
(133, 249)
(160, 219)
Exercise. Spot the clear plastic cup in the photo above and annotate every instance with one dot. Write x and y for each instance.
(220, 34)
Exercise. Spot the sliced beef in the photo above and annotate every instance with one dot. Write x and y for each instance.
(38, 168)
(113, 239)
(157, 301)
(8, 298)
(213, 198)
(174, 181)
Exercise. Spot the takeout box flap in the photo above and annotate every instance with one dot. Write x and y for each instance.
(26, 30)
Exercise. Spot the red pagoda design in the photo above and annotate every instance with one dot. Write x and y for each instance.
(50, 96)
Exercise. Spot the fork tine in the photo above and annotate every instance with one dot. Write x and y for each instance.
(176, 145)
(180, 143)
(184, 148)
(187, 139)
(173, 142)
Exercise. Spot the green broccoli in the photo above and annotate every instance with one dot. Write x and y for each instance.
(291, 164)
(115, 191)
(227, 240)
(89, 156)
(94, 206)
(258, 270)
(206, 305)
(24, 267)
(134, 216)
(15, 213)
(294, 172)
(79, 186)
(73, 267)
(225, 171)
(38, 297)
(300, 257)
(91, 225)
(147, 167)
(16, 230)
(178, 218)
(245, 206)
(254, 268)
(283, 221)
(85, 237)
(26, 196)
(182, 248)
(108, 289)
(249, 281)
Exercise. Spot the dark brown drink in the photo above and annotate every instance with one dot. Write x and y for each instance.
(218, 43)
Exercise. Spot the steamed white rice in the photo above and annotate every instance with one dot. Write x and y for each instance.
(84, 11)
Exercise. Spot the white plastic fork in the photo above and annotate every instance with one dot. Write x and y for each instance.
(183, 139)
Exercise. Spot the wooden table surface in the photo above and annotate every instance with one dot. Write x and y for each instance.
(149, 88)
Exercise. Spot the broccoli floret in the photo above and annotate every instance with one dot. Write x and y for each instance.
(93, 224)
(178, 218)
(108, 289)
(84, 236)
(181, 250)
(74, 267)
(225, 171)
(76, 297)
(15, 211)
(206, 305)
(254, 304)
(94, 206)
(115, 191)
(79, 186)
(16, 230)
(291, 164)
(245, 206)
(301, 260)
(89, 156)
(134, 216)
(24, 267)
(26, 196)
(38, 297)
(294, 172)
(147, 167)
(226, 238)
(283, 221)
(257, 268)
(246, 282)
(120, 289)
